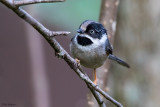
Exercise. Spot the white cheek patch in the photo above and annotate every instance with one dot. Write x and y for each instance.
(99, 41)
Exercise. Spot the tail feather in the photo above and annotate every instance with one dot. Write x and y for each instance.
(118, 60)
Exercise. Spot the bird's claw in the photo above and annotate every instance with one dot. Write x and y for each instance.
(77, 62)
(95, 82)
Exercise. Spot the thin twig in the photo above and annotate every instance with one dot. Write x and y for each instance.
(97, 96)
(108, 97)
(58, 48)
(94, 92)
(28, 2)
(59, 33)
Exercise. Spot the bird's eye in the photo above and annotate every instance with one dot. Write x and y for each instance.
(91, 31)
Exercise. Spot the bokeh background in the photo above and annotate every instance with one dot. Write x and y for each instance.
(31, 75)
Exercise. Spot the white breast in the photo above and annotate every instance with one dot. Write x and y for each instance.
(91, 56)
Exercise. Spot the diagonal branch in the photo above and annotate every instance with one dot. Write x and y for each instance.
(49, 36)
(28, 2)
(97, 96)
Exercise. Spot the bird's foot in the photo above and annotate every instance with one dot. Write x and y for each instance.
(78, 65)
(95, 81)
(78, 62)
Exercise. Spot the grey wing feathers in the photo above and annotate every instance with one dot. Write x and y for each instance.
(109, 48)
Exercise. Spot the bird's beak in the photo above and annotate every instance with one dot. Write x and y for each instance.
(80, 31)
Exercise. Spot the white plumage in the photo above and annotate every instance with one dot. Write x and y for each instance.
(91, 56)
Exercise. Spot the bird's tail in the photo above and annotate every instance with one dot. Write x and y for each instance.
(118, 60)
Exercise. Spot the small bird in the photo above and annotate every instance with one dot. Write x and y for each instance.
(91, 46)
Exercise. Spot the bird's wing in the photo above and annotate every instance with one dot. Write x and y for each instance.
(109, 47)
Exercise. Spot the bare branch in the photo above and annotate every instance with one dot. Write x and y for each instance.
(28, 2)
(59, 33)
(108, 97)
(97, 96)
(47, 34)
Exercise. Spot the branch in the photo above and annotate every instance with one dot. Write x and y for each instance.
(59, 33)
(27, 2)
(49, 36)
(97, 96)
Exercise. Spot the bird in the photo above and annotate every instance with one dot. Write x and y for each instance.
(91, 47)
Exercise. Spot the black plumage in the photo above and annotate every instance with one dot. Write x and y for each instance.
(84, 41)
(97, 28)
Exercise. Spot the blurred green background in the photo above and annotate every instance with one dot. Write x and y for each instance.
(69, 14)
